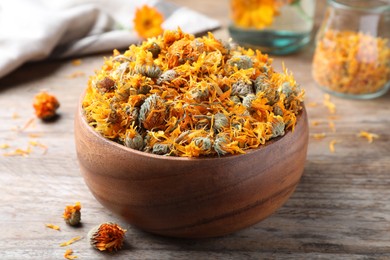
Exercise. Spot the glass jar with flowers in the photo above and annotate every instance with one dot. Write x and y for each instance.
(273, 26)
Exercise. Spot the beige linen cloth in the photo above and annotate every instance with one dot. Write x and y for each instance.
(32, 30)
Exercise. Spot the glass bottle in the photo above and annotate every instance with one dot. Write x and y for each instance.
(352, 54)
(273, 26)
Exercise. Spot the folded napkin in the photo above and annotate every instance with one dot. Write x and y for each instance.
(32, 30)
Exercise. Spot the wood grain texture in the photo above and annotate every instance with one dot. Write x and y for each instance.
(340, 209)
(191, 197)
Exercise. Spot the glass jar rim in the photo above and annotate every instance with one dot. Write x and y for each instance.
(369, 6)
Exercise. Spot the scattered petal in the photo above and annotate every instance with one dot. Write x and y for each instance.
(332, 144)
(369, 136)
(69, 254)
(319, 136)
(71, 241)
(52, 226)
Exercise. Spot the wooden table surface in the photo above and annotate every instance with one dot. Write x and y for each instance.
(340, 209)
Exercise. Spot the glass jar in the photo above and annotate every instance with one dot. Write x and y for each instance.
(352, 54)
(273, 26)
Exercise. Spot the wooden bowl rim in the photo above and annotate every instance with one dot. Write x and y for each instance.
(109, 142)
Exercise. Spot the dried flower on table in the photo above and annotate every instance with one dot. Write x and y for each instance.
(352, 63)
(179, 95)
(148, 21)
(72, 214)
(52, 226)
(45, 105)
(369, 136)
(107, 236)
(69, 254)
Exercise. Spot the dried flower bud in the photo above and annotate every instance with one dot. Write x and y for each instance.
(152, 112)
(161, 149)
(220, 141)
(247, 101)
(240, 88)
(168, 75)
(134, 140)
(220, 121)
(203, 143)
(286, 89)
(277, 126)
(241, 62)
(72, 214)
(149, 71)
(45, 105)
(107, 236)
(105, 85)
(199, 94)
(261, 84)
(277, 110)
(154, 49)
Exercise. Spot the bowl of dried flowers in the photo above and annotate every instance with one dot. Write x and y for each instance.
(188, 136)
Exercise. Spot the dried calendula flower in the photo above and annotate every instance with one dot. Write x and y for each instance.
(148, 21)
(351, 62)
(107, 236)
(45, 105)
(72, 214)
(181, 95)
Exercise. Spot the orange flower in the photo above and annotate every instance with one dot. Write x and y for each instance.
(45, 105)
(107, 236)
(147, 22)
(72, 214)
(255, 13)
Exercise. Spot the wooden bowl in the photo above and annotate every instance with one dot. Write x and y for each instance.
(191, 197)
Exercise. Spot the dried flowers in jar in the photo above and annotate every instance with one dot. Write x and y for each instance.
(352, 55)
(184, 96)
(274, 26)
